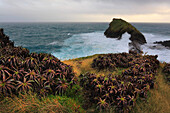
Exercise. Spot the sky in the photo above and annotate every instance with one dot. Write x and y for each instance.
(84, 10)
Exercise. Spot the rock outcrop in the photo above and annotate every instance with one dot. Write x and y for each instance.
(164, 43)
(4, 40)
(118, 27)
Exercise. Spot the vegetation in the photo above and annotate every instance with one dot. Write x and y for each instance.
(166, 71)
(28, 102)
(121, 90)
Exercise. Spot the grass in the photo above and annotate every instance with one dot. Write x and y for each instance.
(30, 103)
(83, 65)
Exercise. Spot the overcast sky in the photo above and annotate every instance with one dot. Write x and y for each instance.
(84, 10)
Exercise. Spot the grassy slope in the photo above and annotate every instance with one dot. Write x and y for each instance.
(158, 100)
(29, 103)
(83, 65)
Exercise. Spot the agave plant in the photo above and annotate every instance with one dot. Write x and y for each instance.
(107, 95)
(30, 63)
(112, 89)
(20, 52)
(41, 85)
(7, 85)
(62, 85)
(25, 85)
(31, 75)
(99, 88)
(50, 61)
(12, 62)
(51, 82)
(121, 101)
(18, 74)
(131, 100)
(102, 104)
(50, 72)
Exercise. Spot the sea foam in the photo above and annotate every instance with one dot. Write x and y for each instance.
(85, 44)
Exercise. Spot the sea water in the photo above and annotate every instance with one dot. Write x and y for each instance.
(73, 40)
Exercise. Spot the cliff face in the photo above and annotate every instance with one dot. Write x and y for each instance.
(118, 27)
(4, 40)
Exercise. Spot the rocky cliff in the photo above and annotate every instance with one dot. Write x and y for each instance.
(4, 40)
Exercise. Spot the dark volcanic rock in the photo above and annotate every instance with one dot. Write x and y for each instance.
(118, 27)
(4, 40)
(164, 43)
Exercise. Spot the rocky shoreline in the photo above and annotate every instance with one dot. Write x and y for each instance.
(164, 43)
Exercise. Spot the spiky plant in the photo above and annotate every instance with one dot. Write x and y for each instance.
(62, 85)
(18, 74)
(7, 85)
(31, 75)
(102, 104)
(12, 62)
(30, 63)
(25, 85)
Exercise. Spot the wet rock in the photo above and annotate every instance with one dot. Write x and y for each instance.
(4, 40)
(118, 27)
(164, 43)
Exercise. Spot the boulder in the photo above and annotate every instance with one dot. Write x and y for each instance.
(118, 27)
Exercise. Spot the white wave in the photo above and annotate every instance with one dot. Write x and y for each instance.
(156, 49)
(55, 43)
(81, 45)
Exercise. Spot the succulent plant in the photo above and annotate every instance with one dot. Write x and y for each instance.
(25, 85)
(7, 85)
(62, 85)
(21, 71)
(102, 104)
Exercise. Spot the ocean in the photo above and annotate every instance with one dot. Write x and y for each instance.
(73, 40)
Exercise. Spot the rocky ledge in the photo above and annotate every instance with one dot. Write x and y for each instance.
(164, 43)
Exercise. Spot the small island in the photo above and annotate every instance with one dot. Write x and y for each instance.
(122, 82)
(118, 27)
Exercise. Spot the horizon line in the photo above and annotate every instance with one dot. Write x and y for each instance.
(72, 22)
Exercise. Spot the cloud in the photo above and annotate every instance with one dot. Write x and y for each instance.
(80, 10)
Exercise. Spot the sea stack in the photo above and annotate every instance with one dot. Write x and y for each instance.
(118, 27)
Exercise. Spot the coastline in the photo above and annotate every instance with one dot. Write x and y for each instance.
(131, 75)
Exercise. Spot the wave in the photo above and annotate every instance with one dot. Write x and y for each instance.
(85, 44)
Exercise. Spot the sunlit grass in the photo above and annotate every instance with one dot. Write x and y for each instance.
(83, 65)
